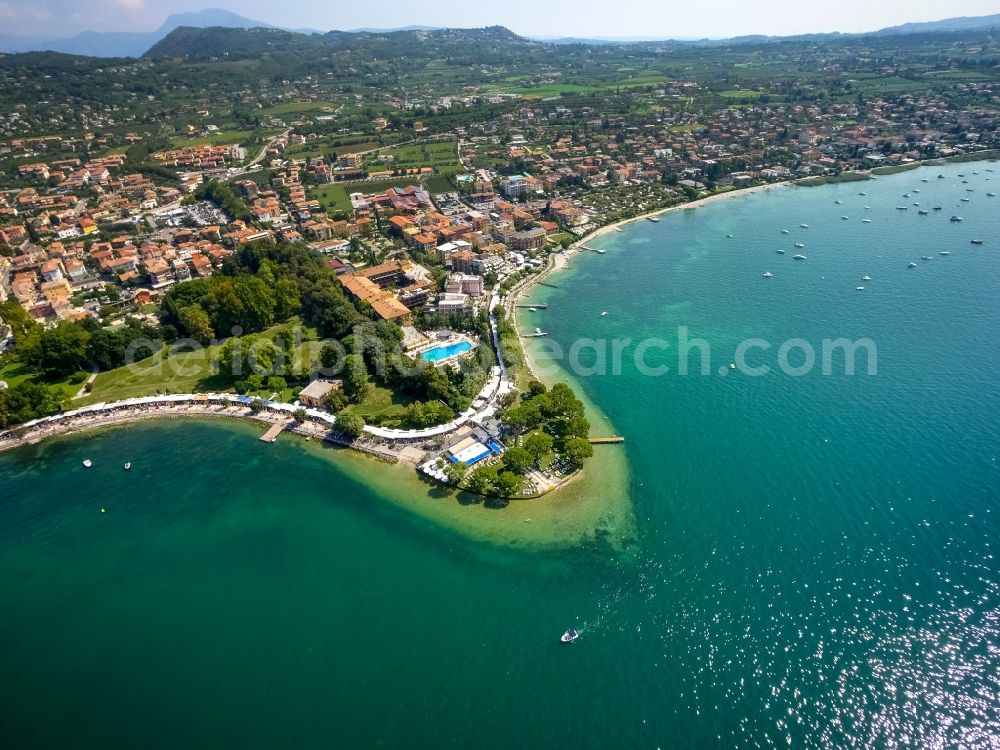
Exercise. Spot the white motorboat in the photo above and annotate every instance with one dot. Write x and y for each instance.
(804, 226)
(781, 252)
(799, 257)
(784, 231)
(912, 265)
(799, 244)
(866, 221)
(944, 252)
(604, 313)
(866, 278)
(87, 463)
(768, 275)
(569, 636)
(128, 465)
(860, 288)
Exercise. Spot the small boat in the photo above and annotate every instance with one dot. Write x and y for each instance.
(991, 195)
(965, 200)
(860, 288)
(128, 465)
(940, 176)
(838, 202)
(866, 278)
(937, 208)
(538, 331)
(925, 180)
(799, 244)
(866, 221)
(916, 204)
(784, 231)
(902, 208)
(923, 212)
(804, 226)
(926, 257)
(906, 195)
(604, 313)
(799, 257)
(653, 219)
(732, 365)
(977, 242)
(569, 636)
(780, 252)
(955, 218)
(844, 218)
(944, 252)
(970, 190)
(912, 265)
(862, 193)
(914, 190)
(729, 236)
(87, 463)
(768, 275)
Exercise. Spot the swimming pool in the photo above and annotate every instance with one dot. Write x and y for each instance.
(443, 352)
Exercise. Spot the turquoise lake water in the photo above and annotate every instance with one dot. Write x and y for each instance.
(443, 352)
(815, 563)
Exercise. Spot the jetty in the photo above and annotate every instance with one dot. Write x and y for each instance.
(272, 434)
(606, 440)
(548, 284)
(542, 306)
(593, 249)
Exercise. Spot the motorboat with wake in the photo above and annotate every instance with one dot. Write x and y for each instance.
(569, 636)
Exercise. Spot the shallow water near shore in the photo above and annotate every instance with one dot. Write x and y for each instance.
(812, 562)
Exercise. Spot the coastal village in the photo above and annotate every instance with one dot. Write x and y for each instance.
(441, 225)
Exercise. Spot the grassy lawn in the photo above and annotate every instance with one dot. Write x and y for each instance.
(382, 406)
(333, 197)
(441, 156)
(222, 137)
(15, 373)
(178, 372)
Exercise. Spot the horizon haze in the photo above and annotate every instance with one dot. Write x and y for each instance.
(636, 19)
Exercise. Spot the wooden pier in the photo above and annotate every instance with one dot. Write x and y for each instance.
(542, 306)
(605, 440)
(272, 434)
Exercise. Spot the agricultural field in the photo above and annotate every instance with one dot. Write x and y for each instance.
(442, 156)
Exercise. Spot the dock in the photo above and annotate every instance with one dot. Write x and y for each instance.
(534, 335)
(593, 249)
(272, 434)
(542, 306)
(606, 440)
(546, 283)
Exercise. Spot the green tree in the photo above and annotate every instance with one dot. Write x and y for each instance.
(356, 385)
(15, 317)
(508, 484)
(577, 450)
(481, 480)
(538, 444)
(276, 383)
(196, 323)
(517, 459)
(301, 415)
(351, 425)
(55, 352)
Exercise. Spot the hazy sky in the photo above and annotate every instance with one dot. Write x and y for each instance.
(662, 19)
